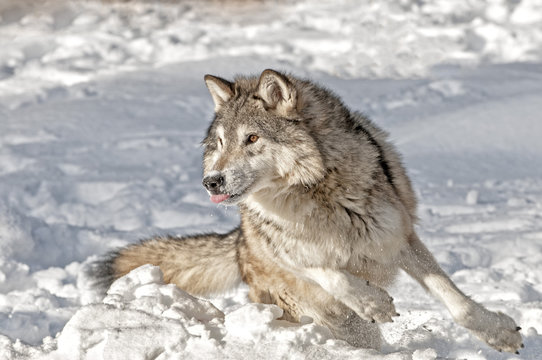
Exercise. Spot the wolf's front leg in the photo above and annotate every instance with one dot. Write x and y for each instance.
(370, 302)
(495, 328)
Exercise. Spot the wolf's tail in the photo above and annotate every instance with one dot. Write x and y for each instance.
(201, 265)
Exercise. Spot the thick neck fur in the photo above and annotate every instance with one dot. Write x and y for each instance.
(340, 173)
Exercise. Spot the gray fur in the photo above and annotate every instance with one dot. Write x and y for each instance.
(327, 215)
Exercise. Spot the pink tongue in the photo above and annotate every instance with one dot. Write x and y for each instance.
(219, 198)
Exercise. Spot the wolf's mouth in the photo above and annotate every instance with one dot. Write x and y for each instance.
(218, 198)
(230, 199)
(226, 195)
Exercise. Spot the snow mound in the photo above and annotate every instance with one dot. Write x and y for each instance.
(143, 318)
(140, 316)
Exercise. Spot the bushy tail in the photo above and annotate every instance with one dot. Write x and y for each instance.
(201, 265)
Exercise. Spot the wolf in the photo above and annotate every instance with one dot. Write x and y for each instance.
(327, 216)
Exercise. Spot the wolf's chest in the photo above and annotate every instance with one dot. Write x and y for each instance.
(329, 241)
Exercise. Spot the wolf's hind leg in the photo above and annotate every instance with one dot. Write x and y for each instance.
(325, 310)
(495, 328)
(298, 297)
(343, 322)
(370, 302)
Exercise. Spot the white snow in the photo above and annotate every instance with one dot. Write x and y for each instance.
(103, 107)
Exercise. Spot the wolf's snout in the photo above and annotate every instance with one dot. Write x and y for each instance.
(212, 183)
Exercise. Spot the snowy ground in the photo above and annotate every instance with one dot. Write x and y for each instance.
(102, 108)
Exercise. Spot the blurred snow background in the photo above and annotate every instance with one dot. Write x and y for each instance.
(102, 107)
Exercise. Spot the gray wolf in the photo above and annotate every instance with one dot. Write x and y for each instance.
(327, 216)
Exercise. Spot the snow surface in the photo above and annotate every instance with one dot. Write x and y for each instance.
(103, 106)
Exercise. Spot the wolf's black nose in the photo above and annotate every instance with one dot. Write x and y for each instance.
(213, 182)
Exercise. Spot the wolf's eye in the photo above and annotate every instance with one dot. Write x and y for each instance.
(252, 139)
(220, 141)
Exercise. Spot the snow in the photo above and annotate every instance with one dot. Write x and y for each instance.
(103, 107)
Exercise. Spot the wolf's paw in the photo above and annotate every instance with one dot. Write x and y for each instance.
(374, 304)
(496, 329)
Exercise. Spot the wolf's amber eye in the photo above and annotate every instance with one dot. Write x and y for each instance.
(252, 139)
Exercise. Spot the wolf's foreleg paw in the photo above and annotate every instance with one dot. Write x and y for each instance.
(495, 329)
(373, 304)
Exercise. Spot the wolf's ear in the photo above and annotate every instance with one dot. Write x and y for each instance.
(221, 90)
(277, 92)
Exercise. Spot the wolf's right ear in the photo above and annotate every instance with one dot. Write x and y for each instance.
(221, 90)
(277, 92)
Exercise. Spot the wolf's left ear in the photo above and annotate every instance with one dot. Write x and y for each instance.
(221, 90)
(277, 92)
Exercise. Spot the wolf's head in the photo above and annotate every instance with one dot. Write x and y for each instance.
(259, 139)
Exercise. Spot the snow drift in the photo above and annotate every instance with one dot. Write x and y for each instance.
(102, 108)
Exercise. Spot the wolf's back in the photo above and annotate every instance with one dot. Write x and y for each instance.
(201, 265)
